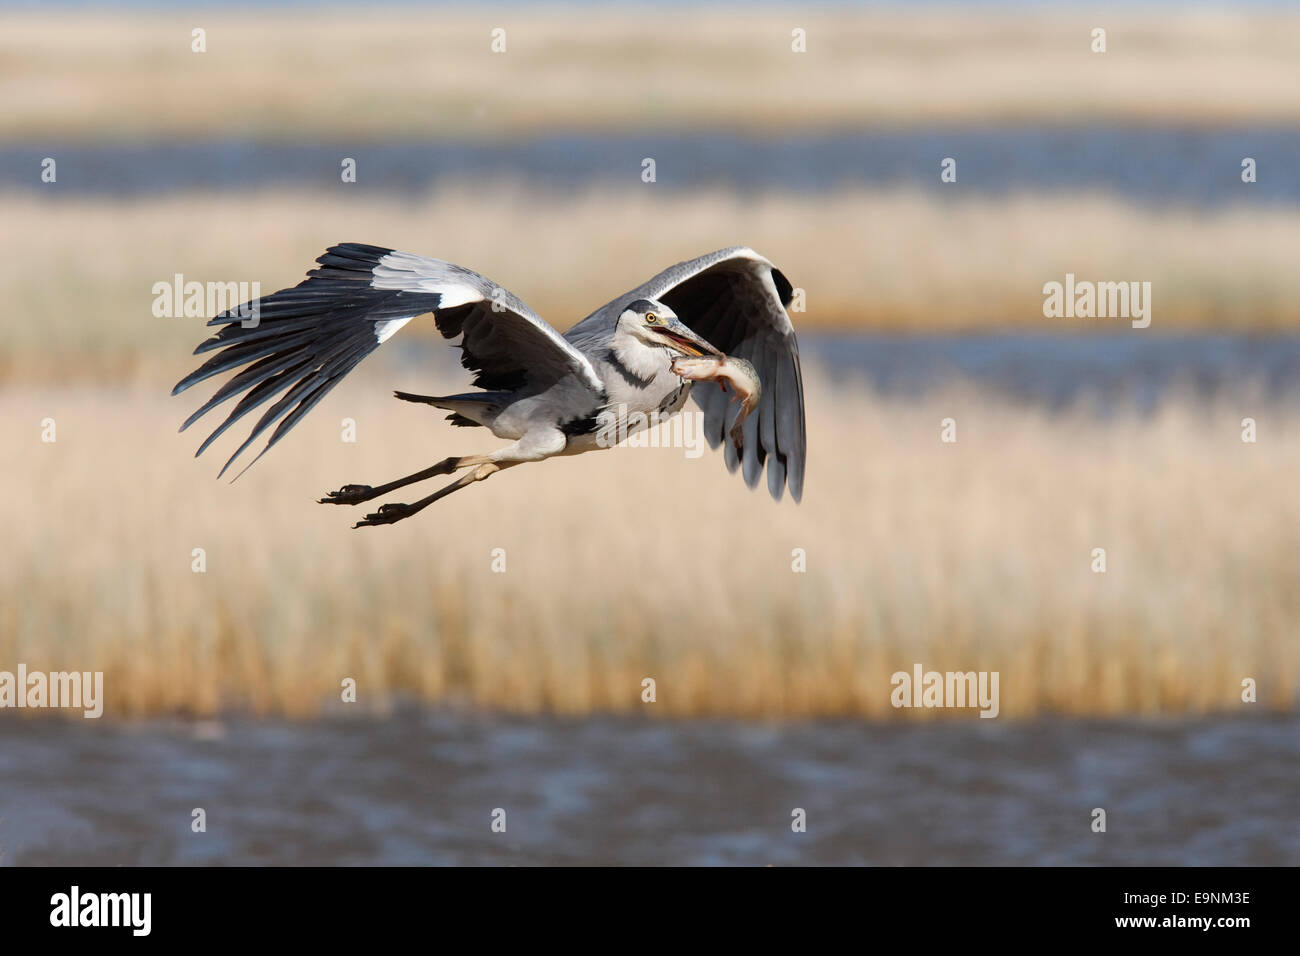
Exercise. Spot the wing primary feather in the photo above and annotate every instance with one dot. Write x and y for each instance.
(790, 421)
(257, 396)
(342, 360)
(255, 374)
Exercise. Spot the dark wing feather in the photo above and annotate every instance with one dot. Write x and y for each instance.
(302, 341)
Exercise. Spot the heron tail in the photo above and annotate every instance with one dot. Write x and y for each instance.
(467, 410)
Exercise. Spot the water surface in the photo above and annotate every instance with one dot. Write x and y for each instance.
(421, 787)
(1103, 371)
(1190, 166)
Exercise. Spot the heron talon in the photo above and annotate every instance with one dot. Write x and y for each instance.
(348, 495)
(387, 514)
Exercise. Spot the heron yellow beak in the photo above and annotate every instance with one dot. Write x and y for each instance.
(679, 336)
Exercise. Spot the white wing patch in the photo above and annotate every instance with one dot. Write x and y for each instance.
(452, 295)
(455, 286)
(385, 330)
(404, 272)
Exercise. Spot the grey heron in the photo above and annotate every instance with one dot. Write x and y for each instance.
(542, 391)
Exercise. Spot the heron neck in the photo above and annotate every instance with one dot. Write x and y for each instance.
(644, 361)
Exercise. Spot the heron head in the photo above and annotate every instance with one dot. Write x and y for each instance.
(654, 324)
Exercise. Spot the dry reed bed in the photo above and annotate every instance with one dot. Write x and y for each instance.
(78, 290)
(967, 556)
(329, 73)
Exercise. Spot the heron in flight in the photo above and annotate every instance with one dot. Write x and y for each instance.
(542, 391)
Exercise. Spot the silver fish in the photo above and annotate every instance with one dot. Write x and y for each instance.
(723, 369)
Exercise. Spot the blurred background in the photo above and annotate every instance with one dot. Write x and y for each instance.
(512, 139)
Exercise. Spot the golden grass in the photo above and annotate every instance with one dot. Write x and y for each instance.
(411, 72)
(78, 288)
(967, 556)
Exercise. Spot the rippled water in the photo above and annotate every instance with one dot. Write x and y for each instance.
(1190, 166)
(1103, 371)
(421, 787)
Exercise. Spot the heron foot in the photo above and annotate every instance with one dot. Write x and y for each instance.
(349, 495)
(356, 494)
(387, 514)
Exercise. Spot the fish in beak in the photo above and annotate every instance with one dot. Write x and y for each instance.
(723, 369)
(679, 336)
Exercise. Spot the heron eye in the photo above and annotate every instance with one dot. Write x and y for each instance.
(651, 318)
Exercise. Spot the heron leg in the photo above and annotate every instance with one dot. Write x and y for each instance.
(356, 494)
(537, 444)
(390, 513)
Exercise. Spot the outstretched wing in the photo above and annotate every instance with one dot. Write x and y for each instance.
(298, 343)
(736, 299)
